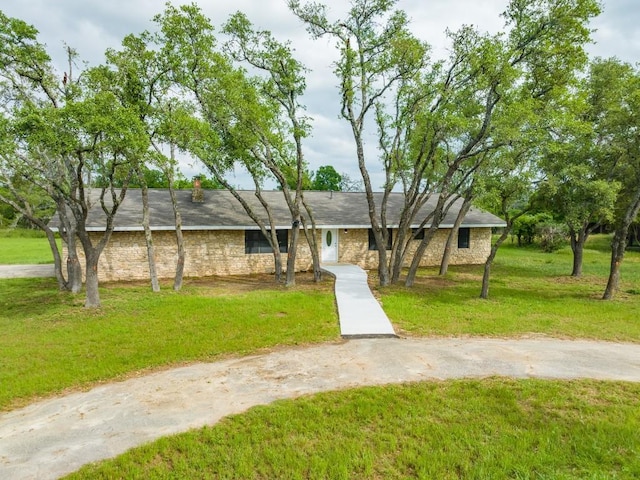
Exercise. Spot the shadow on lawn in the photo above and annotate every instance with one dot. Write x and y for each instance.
(34, 296)
(508, 283)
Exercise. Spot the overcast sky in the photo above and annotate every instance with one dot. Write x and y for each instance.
(91, 26)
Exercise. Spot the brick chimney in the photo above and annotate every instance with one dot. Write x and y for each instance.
(197, 195)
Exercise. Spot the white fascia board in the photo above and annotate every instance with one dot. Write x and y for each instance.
(345, 227)
(278, 227)
(484, 225)
(473, 225)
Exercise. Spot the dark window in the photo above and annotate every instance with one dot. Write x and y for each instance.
(464, 237)
(255, 241)
(372, 240)
(419, 233)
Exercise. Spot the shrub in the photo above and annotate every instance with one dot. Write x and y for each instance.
(553, 236)
(525, 227)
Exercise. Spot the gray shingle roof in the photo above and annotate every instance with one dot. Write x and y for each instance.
(220, 211)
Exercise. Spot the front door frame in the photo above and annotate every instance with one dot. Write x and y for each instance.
(329, 252)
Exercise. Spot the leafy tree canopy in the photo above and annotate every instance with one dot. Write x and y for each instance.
(327, 178)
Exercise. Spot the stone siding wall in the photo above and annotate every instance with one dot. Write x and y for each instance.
(215, 252)
(221, 252)
(353, 247)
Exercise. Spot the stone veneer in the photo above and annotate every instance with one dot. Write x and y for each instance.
(221, 252)
(353, 247)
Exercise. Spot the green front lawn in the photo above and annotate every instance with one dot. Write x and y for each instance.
(50, 343)
(531, 293)
(477, 429)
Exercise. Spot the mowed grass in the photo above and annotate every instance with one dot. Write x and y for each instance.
(50, 342)
(477, 429)
(531, 293)
(21, 246)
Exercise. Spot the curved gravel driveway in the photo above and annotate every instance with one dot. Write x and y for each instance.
(27, 271)
(54, 437)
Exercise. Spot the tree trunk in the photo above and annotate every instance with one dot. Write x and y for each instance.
(312, 240)
(578, 240)
(271, 234)
(290, 279)
(398, 254)
(57, 260)
(484, 293)
(92, 256)
(313, 246)
(413, 203)
(74, 268)
(93, 295)
(396, 258)
(277, 264)
(383, 266)
(438, 213)
(153, 273)
(415, 262)
(179, 277)
(619, 245)
(92, 252)
(446, 254)
(295, 207)
(617, 255)
(578, 254)
(381, 241)
(68, 234)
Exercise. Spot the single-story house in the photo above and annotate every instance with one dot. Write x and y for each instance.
(221, 239)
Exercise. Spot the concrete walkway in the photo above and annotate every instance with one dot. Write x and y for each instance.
(54, 437)
(360, 314)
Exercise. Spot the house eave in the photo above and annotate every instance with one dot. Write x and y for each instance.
(169, 228)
